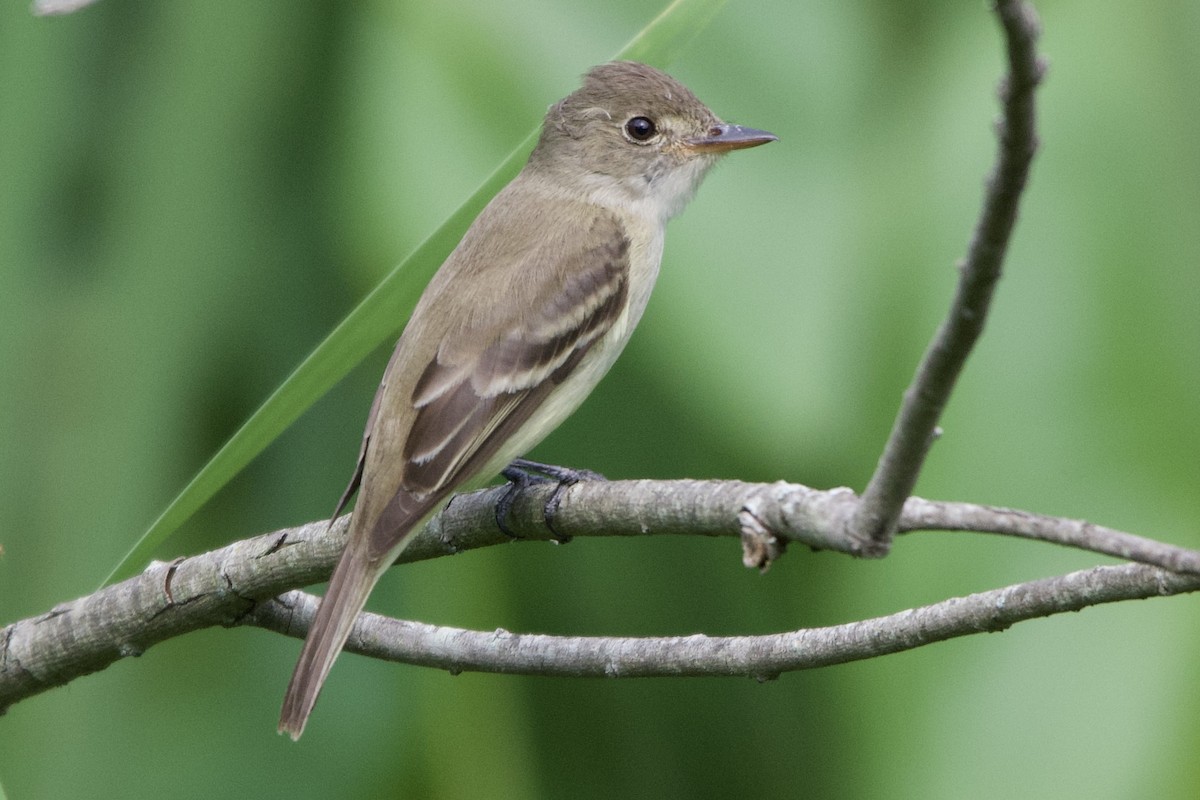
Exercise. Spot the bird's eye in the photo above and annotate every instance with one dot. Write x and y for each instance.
(641, 129)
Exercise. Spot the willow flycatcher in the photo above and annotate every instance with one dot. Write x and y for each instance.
(520, 322)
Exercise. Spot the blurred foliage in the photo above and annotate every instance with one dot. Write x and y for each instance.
(196, 193)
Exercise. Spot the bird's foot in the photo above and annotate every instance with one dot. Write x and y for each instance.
(522, 474)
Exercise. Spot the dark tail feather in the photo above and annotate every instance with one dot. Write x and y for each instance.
(349, 587)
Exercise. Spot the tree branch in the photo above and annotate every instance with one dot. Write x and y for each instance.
(915, 427)
(763, 657)
(234, 585)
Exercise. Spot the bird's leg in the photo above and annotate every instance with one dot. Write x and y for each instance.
(523, 473)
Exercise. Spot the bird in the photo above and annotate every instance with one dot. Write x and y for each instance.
(519, 323)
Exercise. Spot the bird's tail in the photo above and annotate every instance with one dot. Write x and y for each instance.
(349, 587)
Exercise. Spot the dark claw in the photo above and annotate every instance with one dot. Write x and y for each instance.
(518, 481)
(523, 473)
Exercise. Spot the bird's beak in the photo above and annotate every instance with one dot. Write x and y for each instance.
(723, 138)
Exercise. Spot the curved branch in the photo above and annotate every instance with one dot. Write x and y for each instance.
(915, 427)
(229, 586)
(763, 657)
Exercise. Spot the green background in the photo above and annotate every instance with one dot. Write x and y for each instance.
(192, 194)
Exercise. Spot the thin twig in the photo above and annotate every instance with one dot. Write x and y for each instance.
(914, 429)
(762, 657)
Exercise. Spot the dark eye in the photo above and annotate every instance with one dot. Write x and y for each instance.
(640, 129)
